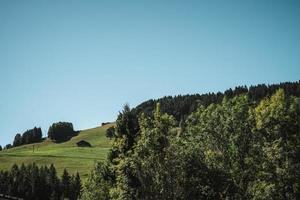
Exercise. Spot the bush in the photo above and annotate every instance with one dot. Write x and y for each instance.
(110, 132)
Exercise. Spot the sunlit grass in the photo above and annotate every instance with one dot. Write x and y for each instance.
(63, 155)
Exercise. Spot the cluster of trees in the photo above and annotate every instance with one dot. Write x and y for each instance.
(8, 146)
(182, 106)
(238, 148)
(61, 131)
(39, 183)
(28, 137)
(240, 144)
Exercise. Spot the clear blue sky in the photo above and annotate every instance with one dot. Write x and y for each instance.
(80, 61)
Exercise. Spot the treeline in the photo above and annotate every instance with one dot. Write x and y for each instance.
(31, 182)
(238, 148)
(182, 106)
(58, 132)
(28, 137)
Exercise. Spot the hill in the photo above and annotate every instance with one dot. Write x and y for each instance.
(181, 106)
(245, 147)
(62, 155)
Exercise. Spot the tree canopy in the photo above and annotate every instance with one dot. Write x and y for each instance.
(61, 131)
(39, 183)
(28, 137)
(238, 148)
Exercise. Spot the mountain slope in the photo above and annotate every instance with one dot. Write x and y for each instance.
(62, 155)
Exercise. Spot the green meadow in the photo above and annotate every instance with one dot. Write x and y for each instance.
(62, 155)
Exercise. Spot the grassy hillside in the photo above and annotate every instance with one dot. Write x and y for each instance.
(63, 155)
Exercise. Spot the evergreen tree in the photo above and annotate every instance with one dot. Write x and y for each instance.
(65, 184)
(61, 131)
(54, 183)
(184, 105)
(23, 182)
(17, 140)
(127, 128)
(31, 182)
(30, 136)
(125, 138)
(75, 187)
(14, 174)
(4, 182)
(37, 134)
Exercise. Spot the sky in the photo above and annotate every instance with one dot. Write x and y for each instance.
(81, 61)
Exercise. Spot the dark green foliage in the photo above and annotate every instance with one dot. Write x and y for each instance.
(0, 148)
(70, 186)
(61, 131)
(39, 183)
(110, 132)
(182, 106)
(166, 168)
(4, 180)
(65, 184)
(240, 144)
(54, 183)
(8, 146)
(159, 165)
(75, 187)
(30, 136)
(127, 128)
(17, 140)
(125, 133)
(244, 146)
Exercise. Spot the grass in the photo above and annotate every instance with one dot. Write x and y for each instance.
(62, 155)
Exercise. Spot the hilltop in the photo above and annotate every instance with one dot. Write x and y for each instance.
(62, 155)
(210, 146)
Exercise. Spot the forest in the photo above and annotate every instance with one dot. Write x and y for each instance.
(245, 145)
(181, 106)
(240, 144)
(32, 182)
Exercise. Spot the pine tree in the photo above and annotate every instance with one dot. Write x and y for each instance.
(17, 140)
(77, 186)
(54, 183)
(65, 184)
